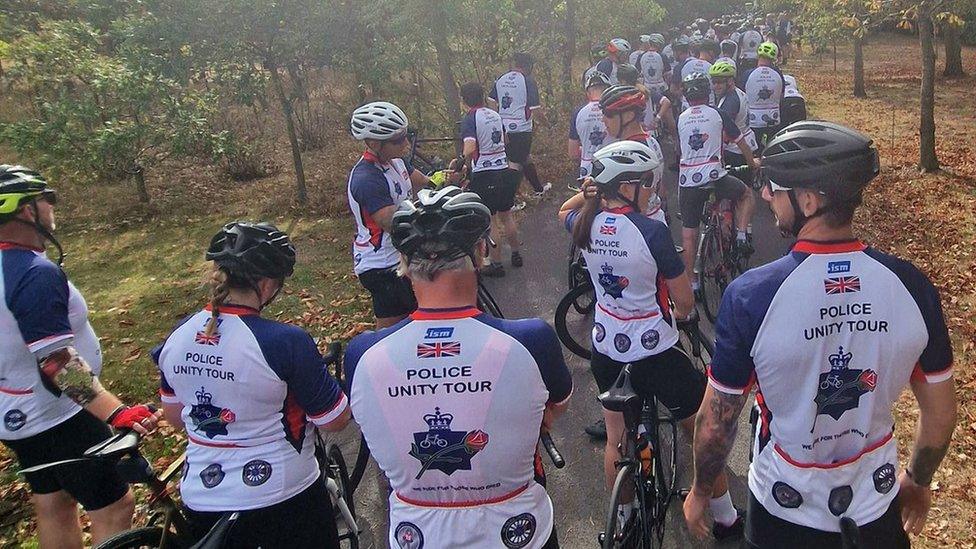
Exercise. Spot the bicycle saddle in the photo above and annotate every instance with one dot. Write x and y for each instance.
(116, 446)
(217, 535)
(621, 396)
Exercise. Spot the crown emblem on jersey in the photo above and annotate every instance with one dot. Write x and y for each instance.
(607, 269)
(840, 360)
(438, 421)
(203, 397)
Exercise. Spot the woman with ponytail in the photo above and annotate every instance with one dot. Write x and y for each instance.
(249, 391)
(634, 268)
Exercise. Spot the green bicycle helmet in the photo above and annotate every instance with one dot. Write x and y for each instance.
(768, 50)
(18, 186)
(722, 69)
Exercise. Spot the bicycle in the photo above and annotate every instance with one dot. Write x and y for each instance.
(418, 160)
(647, 467)
(716, 261)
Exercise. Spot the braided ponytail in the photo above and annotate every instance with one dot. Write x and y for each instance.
(221, 289)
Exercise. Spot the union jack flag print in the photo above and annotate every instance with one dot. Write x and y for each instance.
(842, 285)
(203, 339)
(437, 350)
(604, 229)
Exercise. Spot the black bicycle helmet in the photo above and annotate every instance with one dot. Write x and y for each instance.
(696, 86)
(18, 186)
(822, 156)
(627, 74)
(621, 99)
(253, 251)
(710, 46)
(441, 224)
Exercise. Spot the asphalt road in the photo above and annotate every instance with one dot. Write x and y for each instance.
(577, 491)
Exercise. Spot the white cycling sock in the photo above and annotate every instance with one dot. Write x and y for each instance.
(623, 513)
(741, 236)
(722, 510)
(694, 285)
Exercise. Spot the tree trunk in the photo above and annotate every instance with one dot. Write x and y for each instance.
(139, 177)
(296, 152)
(927, 161)
(859, 67)
(448, 84)
(569, 48)
(953, 52)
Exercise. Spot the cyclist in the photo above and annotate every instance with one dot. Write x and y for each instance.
(859, 326)
(618, 51)
(249, 391)
(623, 113)
(484, 149)
(587, 133)
(454, 426)
(516, 97)
(749, 42)
(681, 49)
(702, 132)
(652, 65)
(645, 44)
(794, 106)
(732, 100)
(597, 52)
(378, 181)
(633, 265)
(764, 87)
(53, 405)
(730, 50)
(784, 34)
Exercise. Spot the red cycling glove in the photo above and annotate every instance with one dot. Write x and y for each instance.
(127, 416)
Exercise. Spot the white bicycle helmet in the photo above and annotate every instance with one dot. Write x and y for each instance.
(645, 38)
(623, 161)
(377, 120)
(619, 46)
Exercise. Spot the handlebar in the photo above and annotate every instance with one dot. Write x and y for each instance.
(738, 169)
(550, 446)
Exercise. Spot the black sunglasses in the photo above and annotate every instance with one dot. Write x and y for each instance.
(398, 140)
(51, 197)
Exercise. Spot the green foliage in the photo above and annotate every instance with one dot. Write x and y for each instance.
(100, 116)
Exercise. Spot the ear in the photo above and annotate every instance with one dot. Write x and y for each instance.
(26, 213)
(268, 287)
(810, 201)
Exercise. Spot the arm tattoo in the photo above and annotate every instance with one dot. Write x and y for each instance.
(715, 428)
(69, 374)
(925, 461)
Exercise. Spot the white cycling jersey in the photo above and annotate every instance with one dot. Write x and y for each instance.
(373, 186)
(702, 132)
(250, 395)
(41, 312)
(450, 402)
(790, 87)
(652, 67)
(483, 127)
(630, 258)
(517, 96)
(587, 127)
(830, 335)
(735, 104)
(749, 44)
(693, 65)
(764, 91)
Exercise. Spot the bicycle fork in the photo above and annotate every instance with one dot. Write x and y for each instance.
(333, 488)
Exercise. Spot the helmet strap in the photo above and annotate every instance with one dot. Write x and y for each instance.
(274, 296)
(799, 218)
(42, 230)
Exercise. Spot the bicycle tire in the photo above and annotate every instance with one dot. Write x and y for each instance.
(578, 276)
(568, 339)
(630, 536)
(711, 273)
(571, 271)
(137, 538)
(665, 471)
(487, 303)
(337, 464)
(359, 468)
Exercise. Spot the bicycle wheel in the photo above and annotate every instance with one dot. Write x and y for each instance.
(698, 348)
(338, 472)
(572, 271)
(633, 534)
(573, 327)
(487, 303)
(149, 537)
(359, 467)
(712, 274)
(663, 485)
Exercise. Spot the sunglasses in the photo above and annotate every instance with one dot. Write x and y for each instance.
(51, 197)
(398, 140)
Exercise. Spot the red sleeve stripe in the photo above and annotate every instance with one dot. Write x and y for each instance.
(330, 415)
(931, 377)
(719, 386)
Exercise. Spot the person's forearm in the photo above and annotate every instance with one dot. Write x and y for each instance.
(715, 429)
(103, 405)
(931, 443)
(575, 202)
(746, 150)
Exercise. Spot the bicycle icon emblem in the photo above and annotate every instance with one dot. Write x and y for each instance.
(431, 440)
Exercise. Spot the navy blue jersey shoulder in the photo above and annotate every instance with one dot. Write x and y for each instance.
(744, 306)
(661, 245)
(469, 124)
(293, 356)
(541, 341)
(730, 103)
(605, 66)
(573, 131)
(937, 355)
(36, 293)
(369, 187)
(358, 346)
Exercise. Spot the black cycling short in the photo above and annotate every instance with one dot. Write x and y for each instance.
(304, 521)
(691, 200)
(93, 484)
(392, 294)
(496, 188)
(766, 531)
(518, 147)
(669, 376)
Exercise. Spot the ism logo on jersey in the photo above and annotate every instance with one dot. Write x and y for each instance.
(613, 285)
(841, 388)
(445, 450)
(209, 419)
